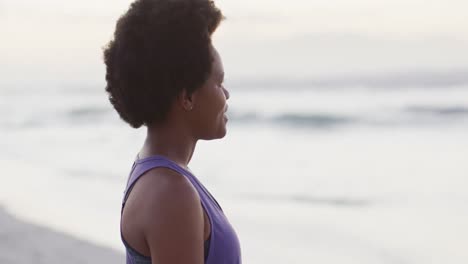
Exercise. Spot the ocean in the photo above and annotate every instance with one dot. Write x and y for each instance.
(306, 174)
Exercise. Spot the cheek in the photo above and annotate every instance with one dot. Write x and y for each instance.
(213, 105)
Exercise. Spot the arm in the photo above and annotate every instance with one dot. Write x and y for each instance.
(173, 225)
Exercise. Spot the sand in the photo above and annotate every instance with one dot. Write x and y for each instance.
(25, 243)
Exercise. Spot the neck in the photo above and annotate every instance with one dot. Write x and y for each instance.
(170, 141)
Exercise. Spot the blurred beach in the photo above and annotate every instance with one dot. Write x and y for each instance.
(338, 175)
(25, 243)
(347, 134)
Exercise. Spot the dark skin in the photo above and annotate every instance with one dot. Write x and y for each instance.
(163, 215)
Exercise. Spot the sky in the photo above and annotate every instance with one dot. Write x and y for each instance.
(54, 41)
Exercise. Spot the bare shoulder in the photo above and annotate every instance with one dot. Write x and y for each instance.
(170, 216)
(163, 188)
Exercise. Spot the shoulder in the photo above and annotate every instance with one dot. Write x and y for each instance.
(159, 196)
(171, 217)
(163, 187)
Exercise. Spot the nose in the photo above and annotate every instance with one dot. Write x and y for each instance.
(226, 93)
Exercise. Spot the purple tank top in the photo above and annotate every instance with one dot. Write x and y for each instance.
(224, 246)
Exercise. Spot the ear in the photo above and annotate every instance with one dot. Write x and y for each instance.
(186, 100)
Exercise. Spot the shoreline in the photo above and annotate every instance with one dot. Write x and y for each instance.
(24, 243)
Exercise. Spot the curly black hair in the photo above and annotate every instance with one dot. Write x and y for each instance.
(160, 47)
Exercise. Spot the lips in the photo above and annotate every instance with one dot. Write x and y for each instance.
(225, 110)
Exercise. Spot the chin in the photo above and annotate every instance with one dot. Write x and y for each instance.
(221, 133)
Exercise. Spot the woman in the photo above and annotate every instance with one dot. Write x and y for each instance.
(164, 73)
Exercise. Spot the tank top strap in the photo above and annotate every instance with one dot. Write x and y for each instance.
(142, 166)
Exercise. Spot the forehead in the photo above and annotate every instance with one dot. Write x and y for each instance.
(217, 62)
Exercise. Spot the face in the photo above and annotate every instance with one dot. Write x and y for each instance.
(209, 104)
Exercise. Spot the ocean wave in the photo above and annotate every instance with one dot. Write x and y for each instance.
(294, 119)
(438, 110)
(308, 199)
(315, 120)
(46, 118)
(90, 111)
(406, 116)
